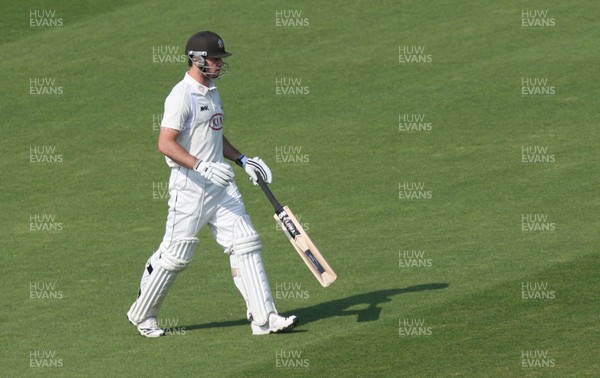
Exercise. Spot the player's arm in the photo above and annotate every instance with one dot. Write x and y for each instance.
(168, 146)
(177, 110)
(229, 151)
(249, 165)
(218, 173)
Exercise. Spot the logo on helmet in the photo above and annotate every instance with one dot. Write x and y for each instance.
(220, 43)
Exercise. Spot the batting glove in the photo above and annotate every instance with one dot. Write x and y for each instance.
(219, 174)
(251, 166)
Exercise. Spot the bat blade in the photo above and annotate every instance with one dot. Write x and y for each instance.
(309, 253)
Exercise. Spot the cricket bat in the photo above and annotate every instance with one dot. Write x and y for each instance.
(299, 239)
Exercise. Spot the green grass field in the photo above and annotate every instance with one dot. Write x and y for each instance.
(440, 154)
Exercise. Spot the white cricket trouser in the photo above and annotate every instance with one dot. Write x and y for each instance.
(195, 202)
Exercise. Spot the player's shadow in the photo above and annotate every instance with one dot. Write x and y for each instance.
(354, 305)
(350, 306)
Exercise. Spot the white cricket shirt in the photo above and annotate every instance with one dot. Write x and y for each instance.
(196, 112)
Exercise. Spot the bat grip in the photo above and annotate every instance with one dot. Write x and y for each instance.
(263, 185)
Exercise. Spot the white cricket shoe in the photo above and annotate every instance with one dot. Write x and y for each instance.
(149, 327)
(276, 324)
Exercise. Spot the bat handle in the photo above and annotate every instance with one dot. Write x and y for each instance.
(263, 185)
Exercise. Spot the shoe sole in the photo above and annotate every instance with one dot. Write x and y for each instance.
(149, 335)
(287, 328)
(141, 333)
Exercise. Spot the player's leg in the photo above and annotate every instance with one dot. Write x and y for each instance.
(187, 214)
(234, 231)
(161, 269)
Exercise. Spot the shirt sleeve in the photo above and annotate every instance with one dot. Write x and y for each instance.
(177, 109)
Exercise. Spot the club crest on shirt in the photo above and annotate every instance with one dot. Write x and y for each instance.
(216, 122)
(202, 89)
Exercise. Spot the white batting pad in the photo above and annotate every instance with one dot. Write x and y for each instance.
(179, 255)
(251, 278)
(158, 277)
(237, 280)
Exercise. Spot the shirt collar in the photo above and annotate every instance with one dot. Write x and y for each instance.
(203, 89)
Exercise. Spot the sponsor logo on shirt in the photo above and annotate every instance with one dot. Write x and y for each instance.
(216, 122)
